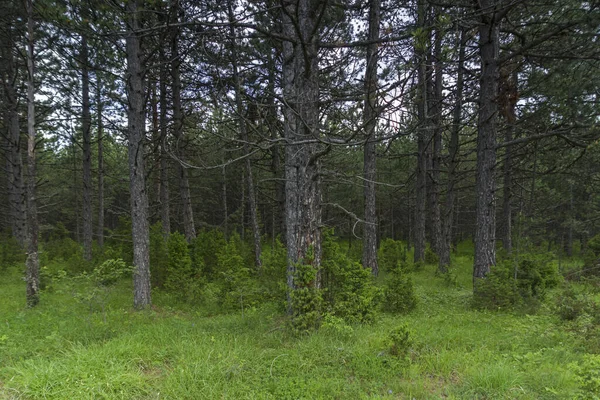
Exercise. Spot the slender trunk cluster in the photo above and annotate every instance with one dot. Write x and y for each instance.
(14, 163)
(135, 130)
(189, 227)
(448, 220)
(86, 124)
(32, 277)
(370, 122)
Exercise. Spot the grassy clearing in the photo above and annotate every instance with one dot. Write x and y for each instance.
(63, 350)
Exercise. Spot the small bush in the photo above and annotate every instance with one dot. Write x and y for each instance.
(391, 253)
(399, 293)
(306, 299)
(180, 275)
(274, 270)
(205, 250)
(527, 286)
(400, 341)
(431, 257)
(350, 290)
(159, 259)
(570, 305)
(588, 376)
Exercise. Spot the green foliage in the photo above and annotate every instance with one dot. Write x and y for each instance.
(350, 291)
(273, 272)
(336, 326)
(507, 285)
(159, 259)
(205, 250)
(588, 376)
(238, 290)
(306, 298)
(571, 304)
(391, 253)
(399, 341)
(399, 294)
(180, 275)
(11, 253)
(430, 257)
(93, 289)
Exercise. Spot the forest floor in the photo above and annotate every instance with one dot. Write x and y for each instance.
(62, 349)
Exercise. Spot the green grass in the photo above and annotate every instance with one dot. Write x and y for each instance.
(62, 350)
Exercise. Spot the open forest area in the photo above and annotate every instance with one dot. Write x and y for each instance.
(299, 199)
(424, 338)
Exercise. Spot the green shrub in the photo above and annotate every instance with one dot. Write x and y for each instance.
(205, 250)
(350, 290)
(11, 253)
(588, 376)
(570, 304)
(306, 298)
(273, 272)
(505, 287)
(159, 259)
(180, 275)
(431, 258)
(399, 293)
(391, 253)
(399, 341)
(238, 289)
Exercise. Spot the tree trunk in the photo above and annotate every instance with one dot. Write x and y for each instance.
(370, 121)
(14, 162)
(244, 134)
(86, 122)
(100, 107)
(453, 147)
(422, 143)
(189, 228)
(435, 110)
(139, 196)
(33, 263)
(165, 211)
(485, 230)
(302, 165)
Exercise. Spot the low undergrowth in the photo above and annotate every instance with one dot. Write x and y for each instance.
(444, 348)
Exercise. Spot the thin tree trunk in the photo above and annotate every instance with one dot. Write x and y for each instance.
(448, 220)
(485, 230)
(507, 194)
(184, 185)
(302, 165)
(224, 199)
(86, 123)
(33, 263)
(244, 134)
(100, 107)
(369, 258)
(14, 162)
(436, 149)
(139, 196)
(165, 211)
(422, 144)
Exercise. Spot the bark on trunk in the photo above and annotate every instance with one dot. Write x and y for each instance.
(453, 147)
(165, 211)
(422, 142)
(370, 121)
(302, 165)
(139, 196)
(189, 227)
(435, 110)
(32, 277)
(100, 123)
(244, 135)
(14, 162)
(86, 123)
(485, 230)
